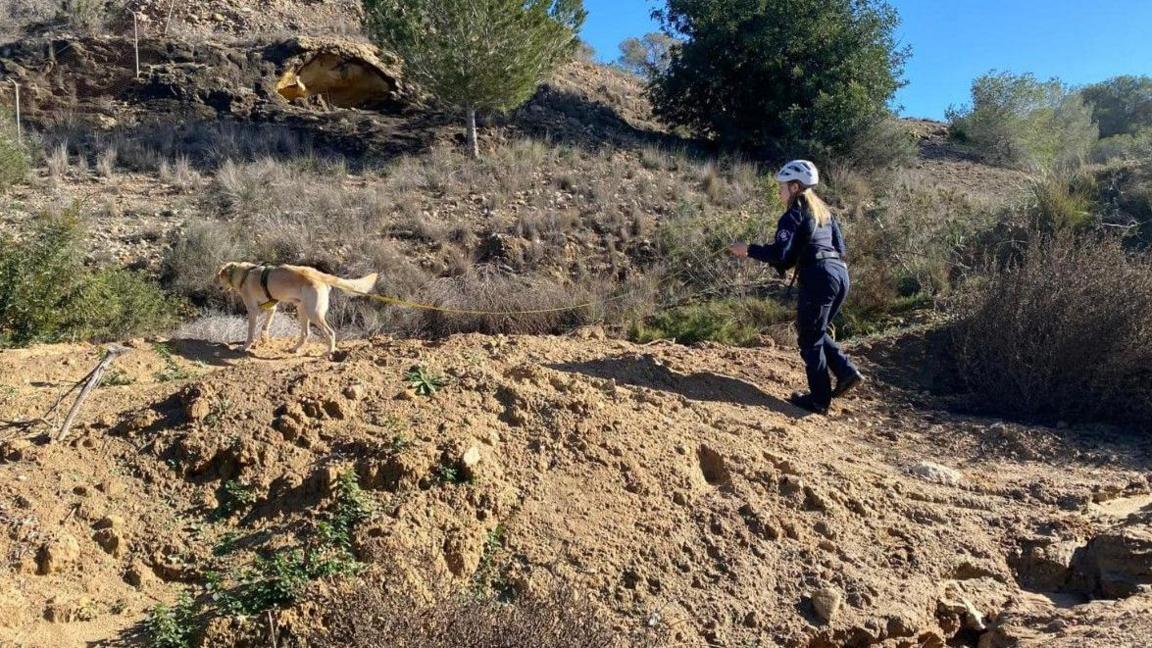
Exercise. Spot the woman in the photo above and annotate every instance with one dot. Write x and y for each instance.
(808, 237)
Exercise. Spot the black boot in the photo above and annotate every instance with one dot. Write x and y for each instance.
(804, 401)
(848, 383)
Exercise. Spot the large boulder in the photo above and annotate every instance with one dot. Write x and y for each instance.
(1118, 562)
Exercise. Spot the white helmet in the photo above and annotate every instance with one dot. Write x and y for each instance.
(801, 171)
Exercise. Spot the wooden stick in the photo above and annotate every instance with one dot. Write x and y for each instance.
(136, 38)
(168, 21)
(19, 130)
(114, 351)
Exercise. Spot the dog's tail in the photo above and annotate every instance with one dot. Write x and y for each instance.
(362, 285)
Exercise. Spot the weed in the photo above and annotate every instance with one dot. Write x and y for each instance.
(485, 577)
(735, 322)
(171, 627)
(116, 378)
(216, 411)
(423, 382)
(234, 497)
(172, 370)
(227, 544)
(450, 475)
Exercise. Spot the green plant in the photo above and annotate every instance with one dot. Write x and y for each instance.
(234, 497)
(116, 378)
(172, 370)
(486, 577)
(448, 474)
(779, 74)
(14, 157)
(1121, 105)
(423, 382)
(171, 626)
(478, 55)
(47, 294)
(647, 56)
(736, 322)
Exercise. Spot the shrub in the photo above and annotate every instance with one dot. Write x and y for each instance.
(1061, 334)
(1121, 105)
(737, 77)
(1126, 146)
(196, 253)
(1062, 203)
(116, 304)
(1019, 121)
(46, 293)
(171, 626)
(14, 157)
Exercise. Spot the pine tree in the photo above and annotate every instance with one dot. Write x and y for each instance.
(478, 55)
(779, 76)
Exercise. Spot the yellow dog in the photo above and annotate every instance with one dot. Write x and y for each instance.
(262, 288)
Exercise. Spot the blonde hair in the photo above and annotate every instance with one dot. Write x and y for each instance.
(815, 206)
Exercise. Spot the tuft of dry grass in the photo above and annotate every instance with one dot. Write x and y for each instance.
(106, 162)
(57, 162)
(505, 296)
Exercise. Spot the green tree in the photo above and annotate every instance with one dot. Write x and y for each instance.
(478, 55)
(1017, 120)
(1121, 105)
(647, 56)
(780, 74)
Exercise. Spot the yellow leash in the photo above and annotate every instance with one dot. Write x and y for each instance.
(396, 301)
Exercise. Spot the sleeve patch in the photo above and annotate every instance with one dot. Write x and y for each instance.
(783, 236)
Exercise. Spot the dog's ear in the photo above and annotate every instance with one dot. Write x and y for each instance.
(223, 273)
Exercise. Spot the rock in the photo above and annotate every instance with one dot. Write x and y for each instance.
(110, 540)
(469, 462)
(354, 392)
(114, 522)
(139, 575)
(15, 449)
(827, 602)
(337, 409)
(936, 473)
(1044, 564)
(61, 609)
(57, 555)
(13, 609)
(1117, 563)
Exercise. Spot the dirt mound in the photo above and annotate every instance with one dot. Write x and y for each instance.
(677, 496)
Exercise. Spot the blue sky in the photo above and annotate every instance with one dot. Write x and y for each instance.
(953, 41)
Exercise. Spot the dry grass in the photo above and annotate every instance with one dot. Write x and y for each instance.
(58, 163)
(106, 162)
(489, 290)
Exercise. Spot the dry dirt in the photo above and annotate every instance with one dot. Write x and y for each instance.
(671, 483)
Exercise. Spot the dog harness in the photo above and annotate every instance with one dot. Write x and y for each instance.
(271, 303)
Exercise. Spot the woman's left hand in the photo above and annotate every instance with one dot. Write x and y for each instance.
(738, 249)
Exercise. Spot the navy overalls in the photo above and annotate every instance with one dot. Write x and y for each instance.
(819, 254)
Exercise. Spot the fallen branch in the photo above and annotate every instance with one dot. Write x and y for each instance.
(93, 379)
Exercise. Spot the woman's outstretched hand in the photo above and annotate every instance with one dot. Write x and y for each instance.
(738, 249)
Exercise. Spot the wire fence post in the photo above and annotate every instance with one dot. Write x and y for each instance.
(19, 129)
(136, 39)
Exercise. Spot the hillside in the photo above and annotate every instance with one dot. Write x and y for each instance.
(671, 483)
(668, 487)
